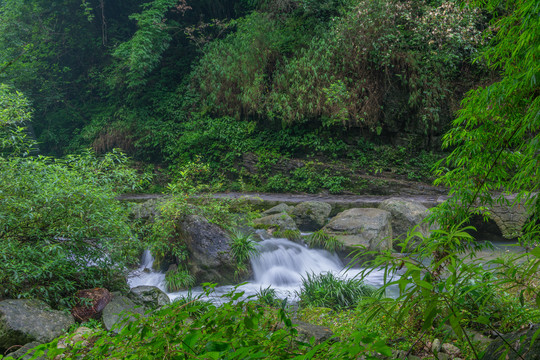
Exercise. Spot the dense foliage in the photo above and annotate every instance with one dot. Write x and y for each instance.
(167, 81)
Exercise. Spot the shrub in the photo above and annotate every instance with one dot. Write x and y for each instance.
(328, 290)
(62, 229)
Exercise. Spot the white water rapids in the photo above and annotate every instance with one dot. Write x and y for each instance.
(280, 264)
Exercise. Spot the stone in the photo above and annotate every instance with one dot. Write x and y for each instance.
(149, 296)
(405, 216)
(281, 221)
(520, 342)
(120, 308)
(311, 215)
(80, 335)
(362, 226)
(26, 320)
(208, 246)
(98, 298)
(436, 346)
(307, 331)
(278, 209)
(450, 349)
(26, 352)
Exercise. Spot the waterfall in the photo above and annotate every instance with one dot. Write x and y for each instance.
(280, 264)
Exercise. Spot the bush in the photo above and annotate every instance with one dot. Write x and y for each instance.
(62, 229)
(328, 290)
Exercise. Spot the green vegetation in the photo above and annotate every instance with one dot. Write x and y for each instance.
(320, 239)
(269, 95)
(328, 290)
(178, 279)
(243, 247)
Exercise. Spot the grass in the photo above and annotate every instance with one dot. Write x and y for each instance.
(322, 240)
(328, 290)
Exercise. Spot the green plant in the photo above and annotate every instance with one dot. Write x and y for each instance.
(178, 279)
(267, 296)
(62, 230)
(235, 329)
(293, 235)
(243, 247)
(321, 239)
(328, 290)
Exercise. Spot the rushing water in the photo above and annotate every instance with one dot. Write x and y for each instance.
(281, 264)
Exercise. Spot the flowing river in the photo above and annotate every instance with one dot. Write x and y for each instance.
(280, 264)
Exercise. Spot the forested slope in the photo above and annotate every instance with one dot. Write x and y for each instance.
(236, 84)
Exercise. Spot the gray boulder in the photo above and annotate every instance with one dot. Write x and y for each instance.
(27, 352)
(119, 309)
(520, 346)
(208, 245)
(25, 320)
(367, 227)
(277, 209)
(282, 221)
(311, 215)
(306, 331)
(149, 296)
(405, 216)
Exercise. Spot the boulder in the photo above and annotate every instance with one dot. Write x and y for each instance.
(280, 208)
(208, 245)
(26, 320)
(149, 296)
(520, 343)
(405, 216)
(362, 226)
(27, 352)
(281, 221)
(306, 331)
(117, 310)
(96, 300)
(311, 215)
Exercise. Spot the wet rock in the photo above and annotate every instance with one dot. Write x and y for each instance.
(278, 209)
(149, 296)
(208, 245)
(91, 304)
(23, 321)
(281, 221)
(367, 227)
(311, 215)
(119, 309)
(405, 216)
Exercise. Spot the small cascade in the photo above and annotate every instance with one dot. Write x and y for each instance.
(283, 263)
(147, 260)
(145, 274)
(280, 264)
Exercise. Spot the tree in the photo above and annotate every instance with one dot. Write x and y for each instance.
(496, 136)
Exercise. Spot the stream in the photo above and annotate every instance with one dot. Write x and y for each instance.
(280, 264)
